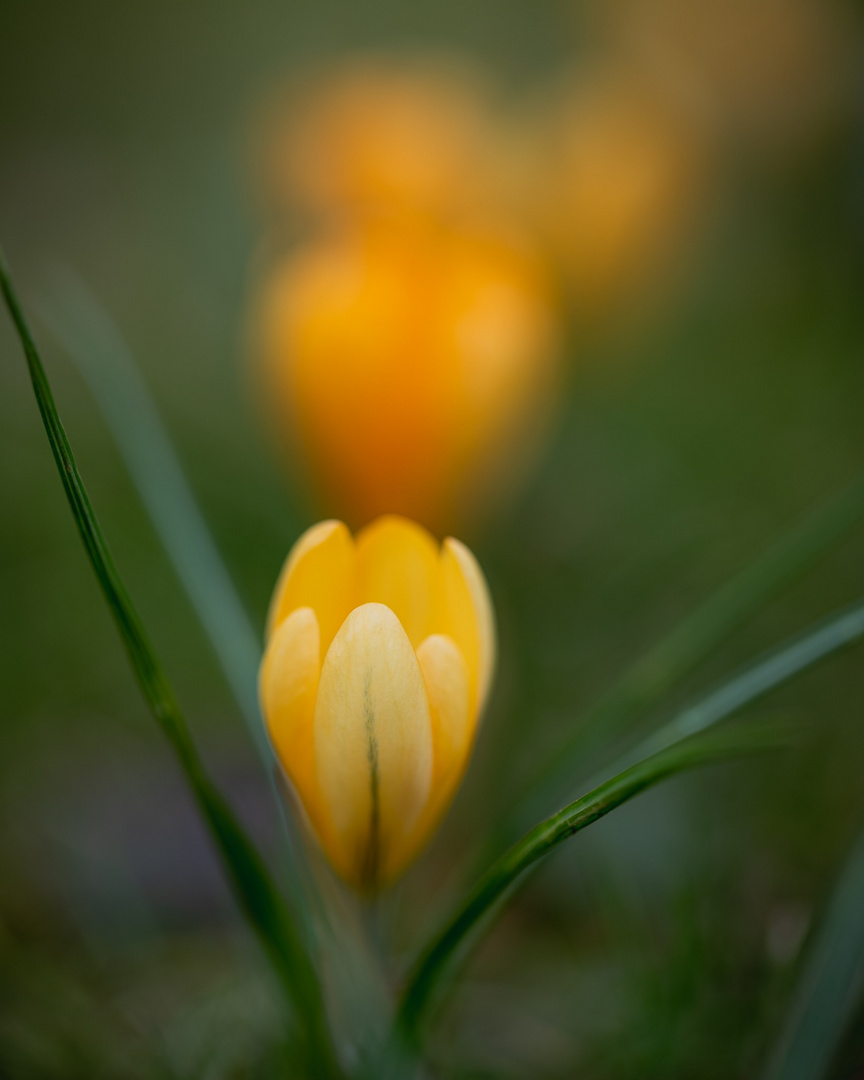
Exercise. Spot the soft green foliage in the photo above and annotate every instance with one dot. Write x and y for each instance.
(652, 953)
(667, 663)
(784, 663)
(87, 333)
(252, 883)
(432, 966)
(815, 1025)
(830, 984)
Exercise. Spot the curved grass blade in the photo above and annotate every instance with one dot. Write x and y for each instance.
(830, 636)
(831, 984)
(252, 883)
(434, 964)
(790, 659)
(664, 665)
(90, 338)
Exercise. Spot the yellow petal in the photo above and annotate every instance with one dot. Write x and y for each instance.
(467, 616)
(397, 565)
(319, 573)
(454, 724)
(446, 678)
(288, 684)
(373, 744)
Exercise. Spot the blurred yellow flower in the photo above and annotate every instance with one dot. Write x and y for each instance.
(611, 176)
(378, 663)
(411, 364)
(380, 136)
(409, 346)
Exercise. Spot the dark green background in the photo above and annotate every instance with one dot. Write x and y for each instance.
(662, 942)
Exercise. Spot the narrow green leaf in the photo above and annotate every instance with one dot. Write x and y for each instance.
(831, 983)
(782, 664)
(779, 666)
(88, 335)
(252, 883)
(93, 342)
(664, 665)
(432, 967)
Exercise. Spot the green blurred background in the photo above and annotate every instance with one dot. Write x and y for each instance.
(663, 942)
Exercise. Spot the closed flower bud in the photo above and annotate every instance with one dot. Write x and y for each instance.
(378, 662)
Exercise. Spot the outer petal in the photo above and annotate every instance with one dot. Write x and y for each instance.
(397, 565)
(453, 726)
(288, 684)
(466, 615)
(319, 573)
(373, 744)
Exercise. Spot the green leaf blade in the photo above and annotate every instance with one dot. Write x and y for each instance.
(90, 338)
(790, 659)
(660, 669)
(251, 882)
(431, 968)
(830, 985)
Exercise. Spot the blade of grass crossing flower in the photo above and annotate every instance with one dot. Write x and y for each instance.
(87, 334)
(433, 968)
(251, 881)
(831, 983)
(664, 665)
(90, 338)
(829, 637)
(843, 629)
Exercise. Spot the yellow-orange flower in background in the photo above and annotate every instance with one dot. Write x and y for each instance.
(409, 343)
(379, 659)
(381, 137)
(410, 364)
(611, 177)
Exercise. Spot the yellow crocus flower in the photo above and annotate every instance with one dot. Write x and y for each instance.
(380, 652)
(617, 179)
(377, 136)
(411, 367)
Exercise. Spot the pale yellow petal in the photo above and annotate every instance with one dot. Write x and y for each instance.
(288, 683)
(453, 727)
(454, 724)
(318, 573)
(373, 743)
(466, 615)
(397, 565)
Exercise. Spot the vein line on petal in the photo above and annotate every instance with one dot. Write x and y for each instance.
(371, 856)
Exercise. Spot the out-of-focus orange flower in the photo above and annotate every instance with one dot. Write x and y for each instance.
(379, 137)
(408, 348)
(408, 363)
(611, 181)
